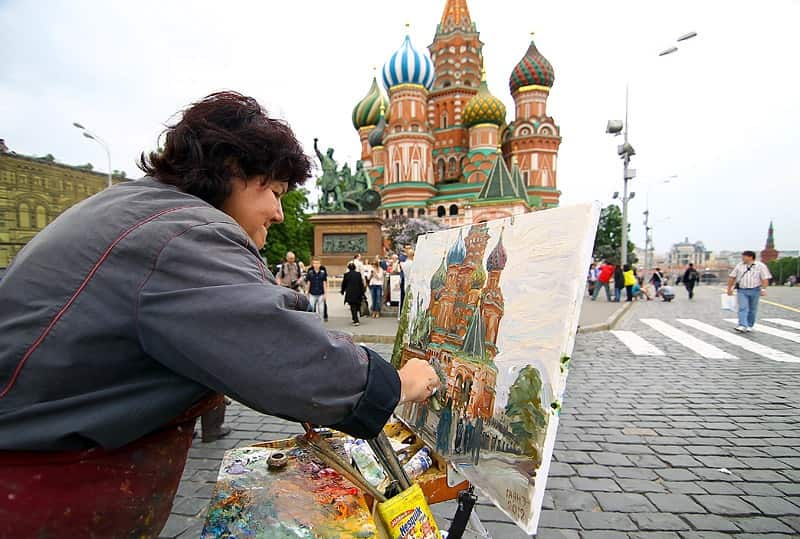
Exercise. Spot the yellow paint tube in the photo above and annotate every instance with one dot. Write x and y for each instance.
(407, 516)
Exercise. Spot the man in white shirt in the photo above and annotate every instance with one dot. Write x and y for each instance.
(750, 278)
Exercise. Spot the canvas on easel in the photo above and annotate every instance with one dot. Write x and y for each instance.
(494, 308)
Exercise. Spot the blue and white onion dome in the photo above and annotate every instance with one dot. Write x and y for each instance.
(408, 66)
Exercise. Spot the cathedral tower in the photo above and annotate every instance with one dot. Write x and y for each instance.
(769, 253)
(407, 75)
(457, 57)
(534, 138)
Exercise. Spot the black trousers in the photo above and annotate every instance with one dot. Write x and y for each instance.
(629, 292)
(354, 311)
(690, 289)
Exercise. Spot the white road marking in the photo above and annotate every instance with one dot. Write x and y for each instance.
(636, 344)
(747, 344)
(783, 322)
(706, 350)
(771, 331)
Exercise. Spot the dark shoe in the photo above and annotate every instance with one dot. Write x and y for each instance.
(213, 437)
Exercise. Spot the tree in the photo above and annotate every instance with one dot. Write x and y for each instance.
(294, 234)
(527, 416)
(402, 329)
(608, 241)
(402, 230)
(783, 268)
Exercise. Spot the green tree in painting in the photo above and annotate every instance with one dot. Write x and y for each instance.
(402, 329)
(608, 241)
(526, 415)
(294, 234)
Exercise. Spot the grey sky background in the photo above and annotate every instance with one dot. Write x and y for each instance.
(722, 112)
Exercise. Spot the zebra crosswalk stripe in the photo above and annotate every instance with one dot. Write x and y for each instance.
(747, 344)
(783, 322)
(706, 350)
(637, 345)
(771, 331)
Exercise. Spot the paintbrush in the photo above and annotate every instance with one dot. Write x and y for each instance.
(338, 463)
(382, 446)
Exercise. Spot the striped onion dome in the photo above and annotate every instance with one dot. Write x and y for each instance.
(457, 253)
(498, 257)
(408, 66)
(533, 69)
(367, 111)
(484, 108)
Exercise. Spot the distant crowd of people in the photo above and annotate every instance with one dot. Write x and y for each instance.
(626, 277)
(365, 284)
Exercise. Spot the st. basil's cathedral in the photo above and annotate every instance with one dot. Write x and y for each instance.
(433, 147)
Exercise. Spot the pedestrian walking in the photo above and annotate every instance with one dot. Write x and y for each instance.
(750, 279)
(628, 279)
(604, 274)
(619, 282)
(591, 279)
(317, 287)
(657, 279)
(690, 279)
(376, 287)
(291, 273)
(353, 291)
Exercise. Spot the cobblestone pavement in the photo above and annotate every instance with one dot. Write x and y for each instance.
(649, 447)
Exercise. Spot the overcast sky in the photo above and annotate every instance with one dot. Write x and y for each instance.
(722, 113)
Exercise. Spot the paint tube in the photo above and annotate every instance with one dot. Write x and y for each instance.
(365, 461)
(419, 463)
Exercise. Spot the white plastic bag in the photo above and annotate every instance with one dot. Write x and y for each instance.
(728, 303)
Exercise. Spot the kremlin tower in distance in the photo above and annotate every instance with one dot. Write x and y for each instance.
(768, 254)
(440, 144)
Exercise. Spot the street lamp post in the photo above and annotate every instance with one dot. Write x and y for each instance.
(88, 134)
(648, 239)
(625, 151)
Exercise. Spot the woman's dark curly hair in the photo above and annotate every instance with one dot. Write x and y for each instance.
(222, 136)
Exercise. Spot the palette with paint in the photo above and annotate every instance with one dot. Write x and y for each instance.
(305, 499)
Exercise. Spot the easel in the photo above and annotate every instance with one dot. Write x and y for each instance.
(465, 514)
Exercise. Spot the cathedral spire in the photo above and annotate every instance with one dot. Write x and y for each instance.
(456, 17)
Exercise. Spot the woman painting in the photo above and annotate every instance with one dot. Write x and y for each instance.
(165, 306)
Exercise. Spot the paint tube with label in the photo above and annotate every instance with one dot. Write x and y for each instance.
(419, 463)
(365, 461)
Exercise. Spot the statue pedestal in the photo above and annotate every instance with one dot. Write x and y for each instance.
(339, 236)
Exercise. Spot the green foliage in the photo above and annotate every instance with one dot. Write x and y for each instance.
(525, 412)
(783, 268)
(608, 241)
(294, 234)
(402, 329)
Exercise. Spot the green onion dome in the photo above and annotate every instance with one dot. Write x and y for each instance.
(484, 108)
(478, 277)
(367, 111)
(438, 278)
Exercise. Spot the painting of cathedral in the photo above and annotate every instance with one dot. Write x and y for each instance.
(493, 306)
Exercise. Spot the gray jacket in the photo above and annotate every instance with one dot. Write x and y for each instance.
(134, 304)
